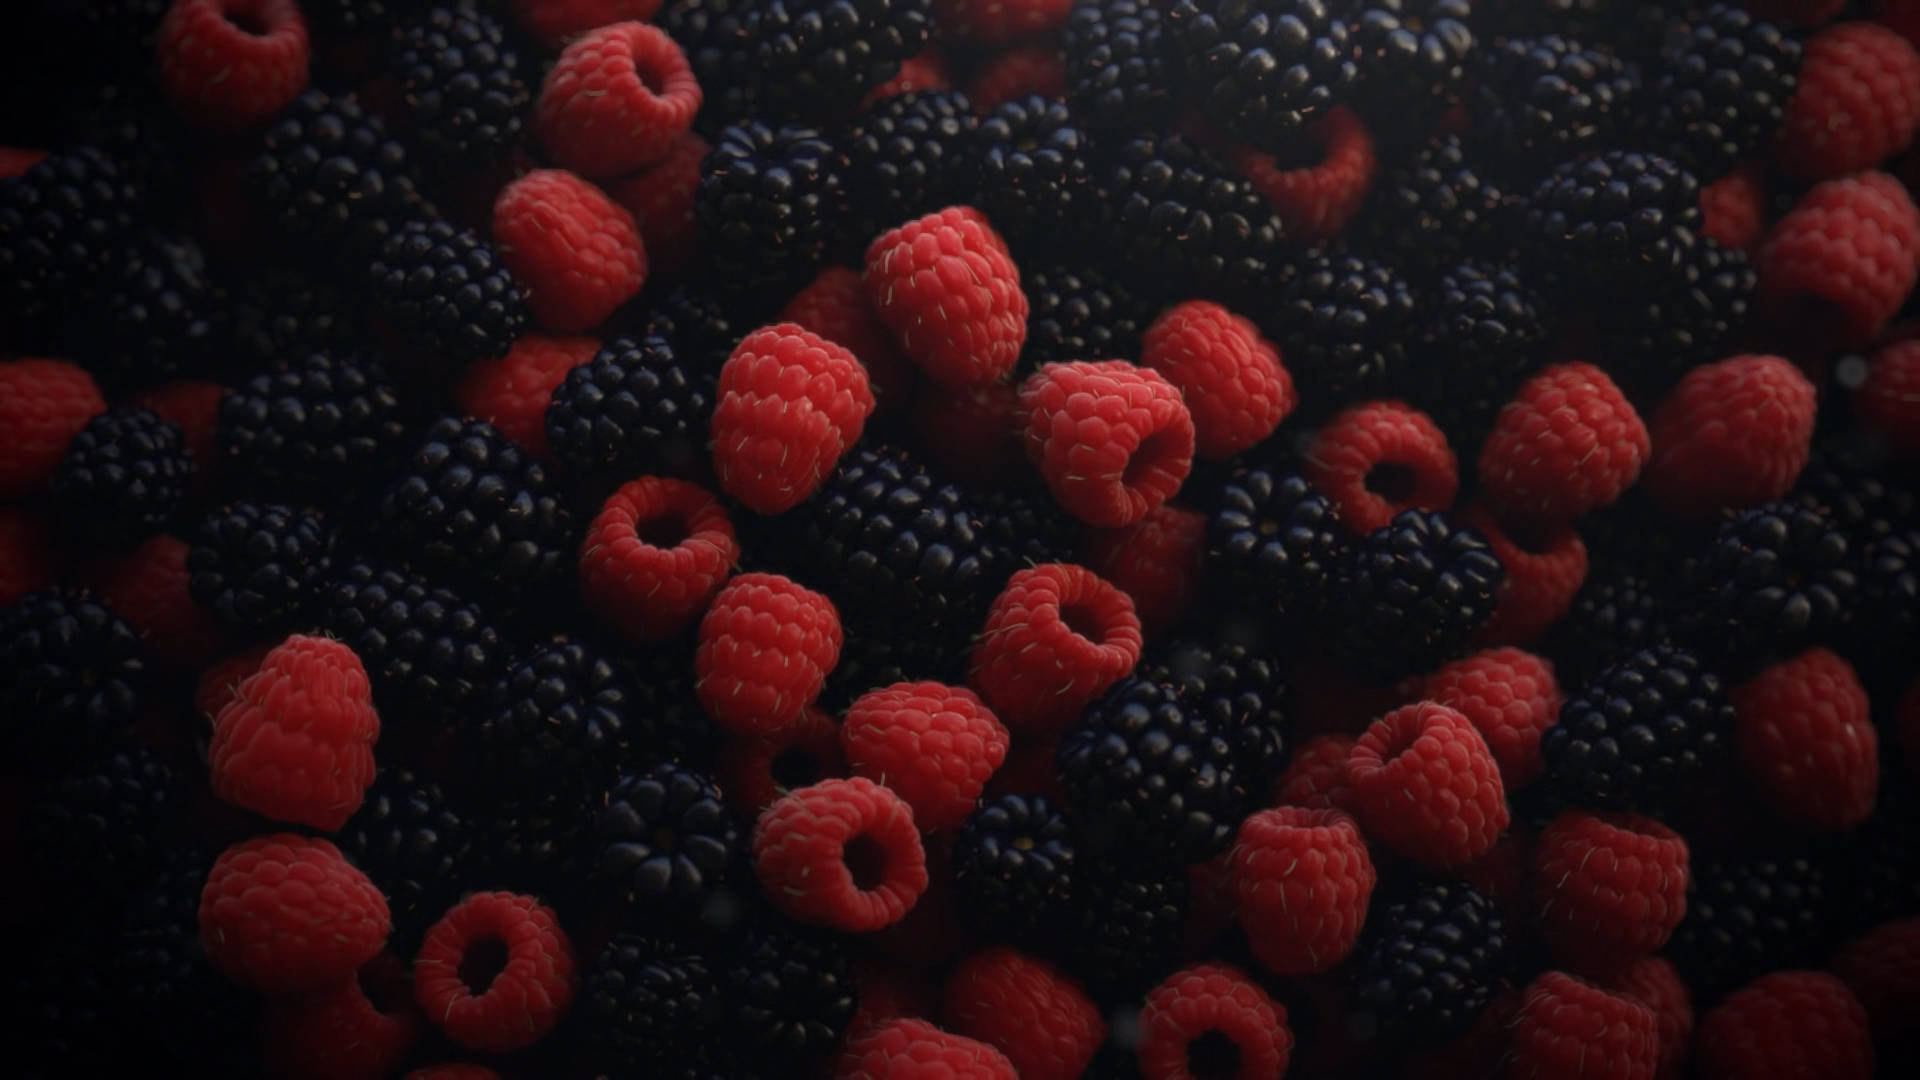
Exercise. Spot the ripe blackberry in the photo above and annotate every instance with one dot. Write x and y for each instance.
(1262, 72)
(328, 174)
(1118, 77)
(1857, 487)
(1429, 964)
(1078, 312)
(98, 828)
(1776, 578)
(1890, 589)
(280, 312)
(790, 994)
(1616, 612)
(1342, 322)
(665, 840)
(1413, 57)
(1412, 594)
(666, 722)
(172, 995)
(640, 407)
(697, 324)
(160, 316)
(1648, 342)
(1273, 536)
(1036, 171)
(1544, 99)
(1242, 692)
(1429, 212)
(651, 1008)
(319, 424)
(1746, 916)
(428, 652)
(413, 844)
(462, 81)
(909, 155)
(1619, 221)
(447, 289)
(1175, 213)
(1126, 929)
(1638, 734)
(1484, 327)
(259, 565)
(556, 718)
(813, 59)
(1028, 526)
(770, 203)
(872, 659)
(123, 477)
(1013, 868)
(1722, 86)
(60, 221)
(76, 673)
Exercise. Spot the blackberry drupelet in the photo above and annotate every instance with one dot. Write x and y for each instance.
(708, 32)
(329, 174)
(1619, 221)
(321, 424)
(1117, 74)
(1242, 692)
(60, 221)
(1484, 327)
(1078, 312)
(556, 719)
(447, 289)
(97, 829)
(1748, 915)
(790, 994)
(1342, 322)
(1273, 535)
(666, 722)
(1429, 964)
(159, 317)
(770, 204)
(1616, 612)
(1412, 594)
(1176, 214)
(909, 155)
(1028, 526)
(75, 675)
(1539, 100)
(1890, 589)
(428, 651)
(1639, 734)
(123, 477)
(1013, 868)
(1855, 485)
(1430, 212)
(259, 565)
(412, 843)
(814, 59)
(640, 407)
(280, 312)
(1649, 342)
(698, 324)
(1036, 172)
(665, 840)
(870, 660)
(1125, 930)
(1413, 57)
(651, 1006)
(1264, 71)
(462, 82)
(1776, 577)
(1722, 87)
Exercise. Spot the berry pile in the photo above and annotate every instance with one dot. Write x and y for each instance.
(931, 538)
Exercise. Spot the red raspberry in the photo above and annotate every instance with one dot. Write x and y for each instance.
(15, 161)
(1510, 697)
(555, 22)
(576, 252)
(148, 588)
(1316, 201)
(1882, 968)
(1316, 776)
(916, 1050)
(1212, 999)
(1302, 881)
(195, 406)
(296, 742)
(512, 393)
(1730, 435)
(1652, 981)
(1838, 266)
(287, 914)
(43, 405)
(220, 682)
(1888, 402)
(1112, 440)
(1857, 104)
(26, 554)
(1427, 787)
(1055, 637)
(1568, 443)
(1015, 73)
(924, 70)
(1228, 374)
(1733, 208)
(975, 431)
(661, 202)
(232, 64)
(935, 745)
(948, 289)
(1805, 737)
(1545, 569)
(496, 973)
(1570, 1029)
(835, 306)
(757, 769)
(789, 404)
(453, 1072)
(1608, 888)
(1789, 1023)
(343, 1034)
(998, 22)
(1328, 698)
(1155, 560)
(840, 853)
(1377, 458)
(616, 100)
(1029, 769)
(1504, 874)
(655, 556)
(1028, 1010)
(765, 647)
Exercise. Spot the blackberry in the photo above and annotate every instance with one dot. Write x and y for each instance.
(1650, 341)
(124, 475)
(1890, 589)
(1617, 611)
(557, 718)
(1036, 171)
(1342, 322)
(651, 1008)
(1433, 210)
(640, 407)
(1028, 526)
(1126, 928)
(1013, 868)
(173, 998)
(1747, 916)
(770, 204)
(1077, 312)
(1879, 865)
(160, 317)
(427, 651)
(258, 565)
(1856, 486)
(447, 289)
(1413, 57)
(1429, 964)
(1724, 80)
(320, 424)
(1776, 577)
(75, 675)
(813, 59)
(1412, 595)
(790, 994)
(412, 843)
(536, 841)
(870, 660)
(1264, 71)
(1116, 68)
(471, 500)
(1545, 99)
(665, 840)
(462, 82)
(698, 325)
(1242, 692)
(1273, 536)
(1484, 327)
(1640, 732)
(1617, 221)
(667, 721)
(909, 155)
(1177, 214)
(99, 828)
(281, 312)
(328, 174)
(59, 223)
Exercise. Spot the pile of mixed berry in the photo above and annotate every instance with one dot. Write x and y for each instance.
(955, 539)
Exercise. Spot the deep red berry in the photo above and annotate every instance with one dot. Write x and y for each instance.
(1608, 888)
(1838, 266)
(1888, 401)
(935, 745)
(835, 306)
(1155, 560)
(148, 587)
(1655, 983)
(1730, 435)
(512, 392)
(1229, 376)
(975, 432)
(1208, 1000)
(757, 769)
(1302, 880)
(1510, 697)
(43, 405)
(1055, 637)
(1545, 567)
(296, 742)
(948, 289)
(1025, 1008)
(1805, 738)
(287, 914)
(765, 647)
(1015, 73)
(1316, 201)
(924, 70)
(576, 252)
(790, 403)
(220, 681)
(1789, 1023)
(655, 555)
(1377, 458)
(555, 22)
(232, 64)
(909, 1049)
(27, 561)
(343, 1033)
(15, 161)
(1857, 103)
(1316, 776)
(193, 404)
(1427, 786)
(616, 100)
(661, 201)
(841, 853)
(888, 992)
(1733, 208)
(1568, 443)
(999, 22)
(1570, 1029)
(1882, 968)
(496, 973)
(1111, 440)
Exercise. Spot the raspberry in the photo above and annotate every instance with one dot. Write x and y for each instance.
(976, 432)
(835, 306)
(296, 741)
(15, 161)
(948, 289)
(1025, 1008)
(1888, 400)
(1654, 982)
(1016, 73)
(341, 1033)
(935, 745)
(1570, 1029)
(616, 100)
(924, 70)
(1608, 888)
(576, 252)
(1427, 786)
(765, 647)
(999, 22)
(757, 769)
(1838, 266)
(1302, 881)
(512, 393)
(26, 554)
(1510, 697)
(1545, 568)
(655, 555)
(1730, 435)
(1055, 638)
(148, 588)
(1316, 777)
(1377, 458)
(1229, 376)
(1206, 1019)
(916, 1050)
(287, 914)
(195, 407)
(555, 22)
(1882, 968)
(1316, 201)
(841, 853)
(1568, 443)
(496, 973)
(220, 681)
(1732, 210)
(1112, 441)
(43, 405)
(232, 64)
(1806, 738)
(1789, 1023)
(1155, 561)
(660, 198)
(1857, 105)
(790, 403)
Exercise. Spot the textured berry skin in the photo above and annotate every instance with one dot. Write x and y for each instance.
(935, 745)
(226, 75)
(616, 100)
(555, 22)
(1427, 787)
(1317, 201)
(474, 502)
(835, 306)
(1569, 442)
(1653, 981)
(999, 23)
(1025, 1008)
(1055, 638)
(1378, 458)
(1858, 103)
(531, 990)
(1789, 1023)
(800, 852)
(974, 433)
(1015, 73)
(296, 742)
(1302, 880)
(148, 588)
(43, 405)
(948, 289)
(1542, 578)
(661, 201)
(907, 1049)
(446, 290)
(123, 476)
(1882, 968)
(1316, 777)
(1732, 213)
(1112, 440)
(765, 647)
(1510, 697)
(341, 1032)
(1229, 376)
(1412, 595)
(1608, 888)
(194, 406)
(577, 252)
(924, 70)
(790, 403)
(655, 555)
(512, 392)
(1432, 959)
(1888, 401)
(286, 914)
(1155, 560)
(1570, 1029)
(1805, 737)
(1732, 434)
(1212, 998)
(1843, 260)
